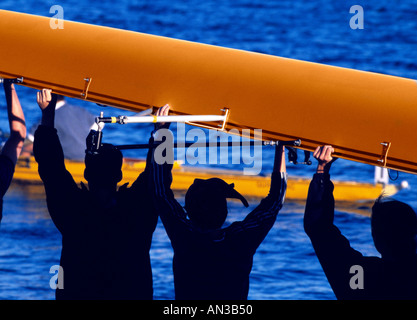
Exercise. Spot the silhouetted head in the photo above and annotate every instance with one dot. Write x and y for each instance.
(394, 228)
(104, 167)
(206, 204)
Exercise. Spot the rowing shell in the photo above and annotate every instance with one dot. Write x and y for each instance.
(367, 117)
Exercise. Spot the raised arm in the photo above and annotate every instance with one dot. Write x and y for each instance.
(320, 202)
(171, 212)
(47, 149)
(332, 248)
(14, 143)
(279, 159)
(58, 182)
(254, 228)
(47, 102)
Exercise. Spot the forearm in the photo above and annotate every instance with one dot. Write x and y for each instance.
(60, 187)
(171, 212)
(278, 187)
(279, 176)
(14, 144)
(47, 102)
(161, 179)
(149, 156)
(15, 112)
(48, 118)
(319, 211)
(48, 150)
(267, 210)
(6, 175)
(161, 166)
(279, 159)
(143, 181)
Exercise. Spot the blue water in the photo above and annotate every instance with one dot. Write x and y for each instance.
(285, 266)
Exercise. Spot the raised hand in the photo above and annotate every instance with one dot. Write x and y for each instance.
(323, 154)
(47, 102)
(162, 111)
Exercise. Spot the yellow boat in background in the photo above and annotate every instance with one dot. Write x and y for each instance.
(250, 186)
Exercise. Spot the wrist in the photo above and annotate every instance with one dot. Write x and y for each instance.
(323, 168)
(47, 119)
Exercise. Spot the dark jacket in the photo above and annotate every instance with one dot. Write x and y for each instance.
(214, 264)
(342, 264)
(6, 175)
(105, 251)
